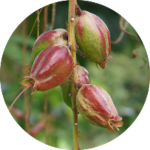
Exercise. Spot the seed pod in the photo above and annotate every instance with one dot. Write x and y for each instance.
(50, 68)
(96, 106)
(58, 36)
(93, 37)
(83, 78)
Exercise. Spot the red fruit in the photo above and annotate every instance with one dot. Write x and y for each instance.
(83, 76)
(96, 106)
(50, 69)
(53, 37)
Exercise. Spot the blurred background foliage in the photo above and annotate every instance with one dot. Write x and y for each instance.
(123, 79)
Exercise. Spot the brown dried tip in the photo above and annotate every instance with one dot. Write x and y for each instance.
(65, 36)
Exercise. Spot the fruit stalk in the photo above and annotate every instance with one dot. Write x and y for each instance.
(71, 42)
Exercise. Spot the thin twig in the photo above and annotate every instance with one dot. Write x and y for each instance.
(139, 43)
(34, 23)
(30, 105)
(38, 21)
(53, 15)
(45, 93)
(121, 34)
(92, 128)
(19, 96)
(46, 117)
(45, 19)
(15, 93)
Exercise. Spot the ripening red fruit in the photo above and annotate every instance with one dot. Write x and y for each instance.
(96, 106)
(93, 37)
(51, 68)
(53, 37)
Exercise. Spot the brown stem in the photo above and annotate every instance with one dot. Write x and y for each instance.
(121, 34)
(72, 43)
(45, 18)
(46, 117)
(45, 93)
(30, 105)
(34, 23)
(53, 15)
(38, 21)
(139, 43)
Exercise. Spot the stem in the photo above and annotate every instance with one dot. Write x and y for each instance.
(139, 43)
(53, 16)
(45, 18)
(24, 57)
(38, 20)
(19, 96)
(34, 23)
(72, 44)
(45, 93)
(77, 8)
(121, 35)
(46, 117)
(30, 105)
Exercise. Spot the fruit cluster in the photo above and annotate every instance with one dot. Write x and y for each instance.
(51, 64)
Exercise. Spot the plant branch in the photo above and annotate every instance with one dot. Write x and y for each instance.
(45, 18)
(72, 44)
(121, 34)
(19, 96)
(139, 43)
(34, 23)
(53, 15)
(46, 117)
(45, 93)
(38, 21)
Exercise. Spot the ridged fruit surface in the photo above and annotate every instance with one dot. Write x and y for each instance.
(83, 78)
(96, 106)
(53, 37)
(93, 37)
(51, 68)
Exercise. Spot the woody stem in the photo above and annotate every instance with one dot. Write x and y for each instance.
(71, 42)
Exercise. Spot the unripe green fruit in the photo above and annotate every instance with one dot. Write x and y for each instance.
(93, 37)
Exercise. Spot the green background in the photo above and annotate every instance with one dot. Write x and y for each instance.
(123, 79)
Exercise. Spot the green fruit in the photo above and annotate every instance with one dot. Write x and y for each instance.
(93, 37)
